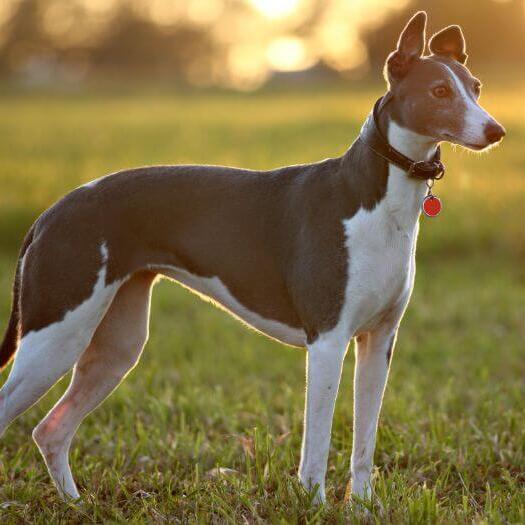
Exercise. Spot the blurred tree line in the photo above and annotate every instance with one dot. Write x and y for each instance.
(49, 36)
(494, 29)
(44, 41)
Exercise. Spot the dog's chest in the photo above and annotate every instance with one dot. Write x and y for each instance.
(381, 265)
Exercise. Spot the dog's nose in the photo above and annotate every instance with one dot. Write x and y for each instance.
(494, 132)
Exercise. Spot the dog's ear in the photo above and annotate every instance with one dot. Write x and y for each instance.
(449, 42)
(410, 46)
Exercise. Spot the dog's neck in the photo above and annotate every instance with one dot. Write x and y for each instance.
(414, 145)
(405, 194)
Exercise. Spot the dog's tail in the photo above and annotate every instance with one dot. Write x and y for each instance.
(12, 335)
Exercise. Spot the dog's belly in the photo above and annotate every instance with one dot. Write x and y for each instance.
(213, 289)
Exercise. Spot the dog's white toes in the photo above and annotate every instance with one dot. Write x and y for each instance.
(315, 491)
(364, 507)
(70, 496)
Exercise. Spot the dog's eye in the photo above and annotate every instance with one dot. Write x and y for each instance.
(441, 91)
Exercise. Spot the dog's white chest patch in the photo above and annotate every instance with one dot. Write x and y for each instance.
(381, 248)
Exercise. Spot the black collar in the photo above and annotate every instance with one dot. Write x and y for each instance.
(371, 136)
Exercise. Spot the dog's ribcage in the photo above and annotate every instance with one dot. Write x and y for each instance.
(380, 249)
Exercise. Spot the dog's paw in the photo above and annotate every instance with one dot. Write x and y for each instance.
(315, 491)
(364, 506)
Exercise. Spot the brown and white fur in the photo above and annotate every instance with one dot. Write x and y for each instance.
(311, 255)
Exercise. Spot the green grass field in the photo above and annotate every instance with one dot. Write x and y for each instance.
(208, 393)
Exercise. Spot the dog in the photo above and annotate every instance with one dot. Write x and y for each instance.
(311, 255)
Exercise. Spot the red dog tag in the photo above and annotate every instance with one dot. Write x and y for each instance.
(431, 206)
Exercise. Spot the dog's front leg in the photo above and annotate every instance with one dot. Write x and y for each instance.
(324, 363)
(373, 353)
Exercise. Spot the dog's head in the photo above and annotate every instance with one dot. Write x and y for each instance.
(436, 95)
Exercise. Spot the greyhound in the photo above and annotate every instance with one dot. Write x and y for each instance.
(311, 255)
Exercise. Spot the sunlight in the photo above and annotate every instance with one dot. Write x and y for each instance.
(289, 54)
(98, 6)
(247, 67)
(204, 11)
(275, 8)
(162, 12)
(6, 11)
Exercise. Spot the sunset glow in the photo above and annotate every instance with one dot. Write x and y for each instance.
(275, 8)
(289, 54)
(233, 43)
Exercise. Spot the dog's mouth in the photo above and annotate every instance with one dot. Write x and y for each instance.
(468, 145)
(475, 147)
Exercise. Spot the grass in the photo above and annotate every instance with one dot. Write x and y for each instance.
(208, 393)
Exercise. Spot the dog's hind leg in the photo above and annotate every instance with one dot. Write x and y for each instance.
(113, 352)
(45, 355)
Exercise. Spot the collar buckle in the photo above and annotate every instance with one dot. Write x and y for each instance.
(427, 170)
